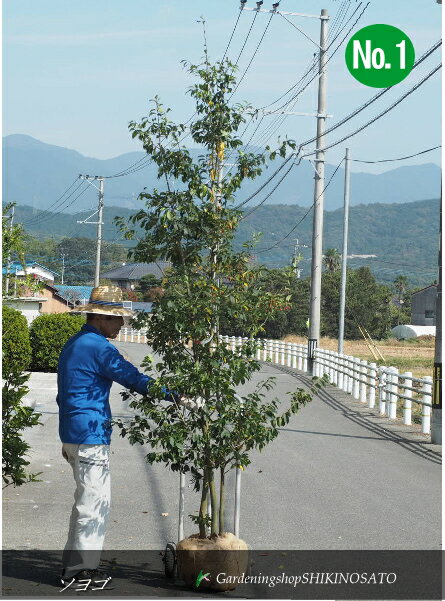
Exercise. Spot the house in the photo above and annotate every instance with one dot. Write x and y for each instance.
(423, 306)
(32, 304)
(38, 271)
(128, 276)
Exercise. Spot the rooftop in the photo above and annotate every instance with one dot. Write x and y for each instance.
(136, 271)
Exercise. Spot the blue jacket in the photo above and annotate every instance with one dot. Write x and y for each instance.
(88, 365)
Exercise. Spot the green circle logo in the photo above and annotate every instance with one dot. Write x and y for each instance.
(379, 56)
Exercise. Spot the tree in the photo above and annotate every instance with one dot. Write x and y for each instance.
(80, 256)
(332, 259)
(367, 304)
(208, 283)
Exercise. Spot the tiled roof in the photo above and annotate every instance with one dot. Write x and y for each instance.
(135, 271)
(74, 292)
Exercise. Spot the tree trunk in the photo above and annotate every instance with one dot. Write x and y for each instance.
(203, 507)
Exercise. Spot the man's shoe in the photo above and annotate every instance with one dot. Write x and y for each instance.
(98, 579)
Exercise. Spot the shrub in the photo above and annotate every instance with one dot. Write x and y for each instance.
(48, 335)
(15, 416)
(16, 343)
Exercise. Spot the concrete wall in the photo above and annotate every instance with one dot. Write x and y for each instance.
(423, 307)
(53, 303)
(30, 308)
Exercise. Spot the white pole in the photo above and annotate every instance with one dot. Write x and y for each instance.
(340, 378)
(372, 383)
(351, 374)
(356, 376)
(237, 501)
(294, 355)
(363, 376)
(382, 391)
(394, 381)
(407, 405)
(181, 506)
(426, 398)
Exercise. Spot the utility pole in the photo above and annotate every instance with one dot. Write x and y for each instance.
(99, 221)
(436, 413)
(317, 233)
(8, 259)
(344, 257)
(63, 266)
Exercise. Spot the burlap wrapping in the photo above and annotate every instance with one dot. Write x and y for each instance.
(225, 554)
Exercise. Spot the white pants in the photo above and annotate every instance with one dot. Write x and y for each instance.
(91, 507)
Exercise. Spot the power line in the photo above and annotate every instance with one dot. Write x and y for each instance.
(387, 110)
(253, 55)
(270, 193)
(247, 37)
(373, 99)
(233, 31)
(399, 158)
(304, 216)
(275, 125)
(244, 202)
(52, 215)
(55, 202)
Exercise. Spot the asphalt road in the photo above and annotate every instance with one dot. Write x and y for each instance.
(327, 482)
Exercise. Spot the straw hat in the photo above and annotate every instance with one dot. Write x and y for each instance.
(105, 300)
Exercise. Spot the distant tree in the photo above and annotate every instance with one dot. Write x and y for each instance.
(367, 304)
(332, 259)
(80, 256)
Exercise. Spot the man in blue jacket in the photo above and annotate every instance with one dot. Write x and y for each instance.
(88, 366)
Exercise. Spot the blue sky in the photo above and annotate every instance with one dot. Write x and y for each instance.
(75, 73)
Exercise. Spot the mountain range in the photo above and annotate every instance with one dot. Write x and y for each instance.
(36, 174)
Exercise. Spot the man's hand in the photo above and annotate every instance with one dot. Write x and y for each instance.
(191, 404)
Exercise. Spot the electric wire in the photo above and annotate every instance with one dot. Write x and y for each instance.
(271, 192)
(54, 203)
(263, 250)
(373, 99)
(233, 31)
(399, 158)
(45, 218)
(384, 112)
(272, 128)
(253, 56)
(247, 37)
(283, 164)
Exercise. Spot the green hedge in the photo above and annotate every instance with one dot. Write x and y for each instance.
(16, 343)
(48, 335)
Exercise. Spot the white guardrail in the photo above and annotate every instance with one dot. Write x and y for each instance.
(367, 382)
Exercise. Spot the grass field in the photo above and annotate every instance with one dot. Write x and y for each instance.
(415, 355)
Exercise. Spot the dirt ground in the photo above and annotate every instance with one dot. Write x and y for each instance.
(416, 356)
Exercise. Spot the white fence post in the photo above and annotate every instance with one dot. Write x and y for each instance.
(363, 377)
(340, 374)
(407, 403)
(283, 353)
(350, 374)
(372, 384)
(318, 367)
(426, 398)
(294, 352)
(394, 384)
(382, 391)
(356, 376)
